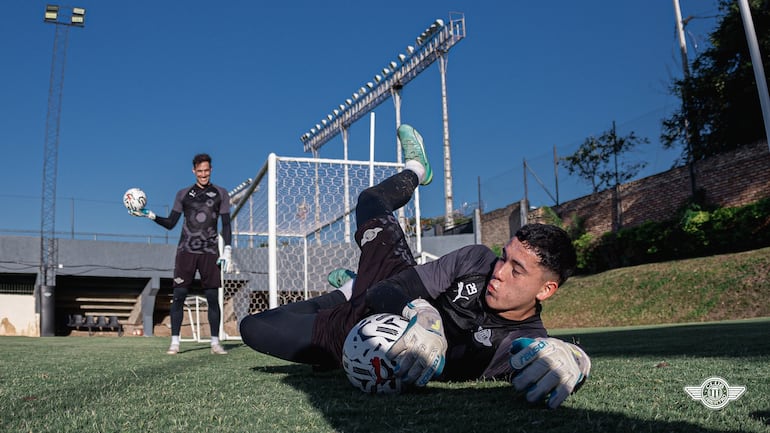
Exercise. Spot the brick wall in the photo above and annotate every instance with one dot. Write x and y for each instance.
(731, 179)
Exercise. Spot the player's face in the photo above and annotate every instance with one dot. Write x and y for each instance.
(202, 173)
(517, 282)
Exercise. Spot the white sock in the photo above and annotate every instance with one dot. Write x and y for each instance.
(347, 289)
(175, 340)
(416, 167)
(214, 340)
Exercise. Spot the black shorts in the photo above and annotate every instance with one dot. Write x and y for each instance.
(384, 252)
(187, 263)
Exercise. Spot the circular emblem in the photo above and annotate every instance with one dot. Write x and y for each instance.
(714, 393)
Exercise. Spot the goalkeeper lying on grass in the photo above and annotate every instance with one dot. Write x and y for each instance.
(472, 315)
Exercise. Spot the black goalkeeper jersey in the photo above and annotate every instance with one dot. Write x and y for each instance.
(478, 339)
(201, 208)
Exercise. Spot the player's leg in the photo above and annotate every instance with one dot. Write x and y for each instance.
(177, 315)
(184, 274)
(384, 249)
(211, 281)
(285, 332)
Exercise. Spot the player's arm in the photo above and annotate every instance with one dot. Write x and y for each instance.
(420, 352)
(168, 222)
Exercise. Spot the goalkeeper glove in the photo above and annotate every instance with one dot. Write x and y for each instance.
(548, 369)
(143, 213)
(226, 257)
(420, 352)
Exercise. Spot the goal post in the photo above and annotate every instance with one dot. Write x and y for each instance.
(292, 225)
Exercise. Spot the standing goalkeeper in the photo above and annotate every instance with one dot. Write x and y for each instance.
(472, 314)
(202, 204)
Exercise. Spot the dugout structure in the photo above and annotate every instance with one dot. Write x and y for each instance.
(292, 225)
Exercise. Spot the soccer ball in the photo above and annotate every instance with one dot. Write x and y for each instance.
(134, 199)
(364, 356)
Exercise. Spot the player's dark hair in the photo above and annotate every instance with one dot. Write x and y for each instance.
(553, 246)
(201, 157)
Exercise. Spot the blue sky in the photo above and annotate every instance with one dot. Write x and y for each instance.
(149, 84)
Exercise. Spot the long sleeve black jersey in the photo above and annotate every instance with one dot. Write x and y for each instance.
(478, 340)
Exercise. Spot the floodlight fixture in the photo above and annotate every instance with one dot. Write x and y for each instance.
(336, 112)
(330, 117)
(431, 45)
(313, 131)
(78, 17)
(51, 13)
(324, 122)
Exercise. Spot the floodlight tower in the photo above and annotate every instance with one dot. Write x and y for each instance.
(48, 244)
(432, 44)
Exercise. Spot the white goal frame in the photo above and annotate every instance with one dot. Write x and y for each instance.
(292, 225)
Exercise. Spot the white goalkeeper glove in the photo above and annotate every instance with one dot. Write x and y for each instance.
(143, 213)
(548, 369)
(226, 257)
(420, 352)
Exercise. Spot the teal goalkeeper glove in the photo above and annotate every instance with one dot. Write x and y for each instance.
(143, 213)
(420, 352)
(548, 369)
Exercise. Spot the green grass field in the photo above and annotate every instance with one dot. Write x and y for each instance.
(112, 384)
(128, 384)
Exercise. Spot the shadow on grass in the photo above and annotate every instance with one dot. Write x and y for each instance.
(476, 407)
(725, 339)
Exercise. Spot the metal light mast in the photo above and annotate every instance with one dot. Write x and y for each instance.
(433, 44)
(48, 244)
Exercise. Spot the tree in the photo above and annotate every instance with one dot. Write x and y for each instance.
(596, 160)
(720, 103)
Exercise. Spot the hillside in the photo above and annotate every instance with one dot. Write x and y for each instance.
(722, 287)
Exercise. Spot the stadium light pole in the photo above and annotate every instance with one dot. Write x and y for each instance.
(431, 45)
(756, 61)
(48, 245)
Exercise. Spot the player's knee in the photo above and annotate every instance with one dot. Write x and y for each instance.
(247, 328)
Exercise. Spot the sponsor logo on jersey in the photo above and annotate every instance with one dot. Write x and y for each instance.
(483, 336)
(369, 235)
(468, 288)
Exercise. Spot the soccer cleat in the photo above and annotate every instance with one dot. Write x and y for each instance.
(173, 349)
(216, 349)
(411, 144)
(338, 277)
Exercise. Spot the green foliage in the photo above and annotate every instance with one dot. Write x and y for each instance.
(596, 160)
(694, 232)
(720, 106)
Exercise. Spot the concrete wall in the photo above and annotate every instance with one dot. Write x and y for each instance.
(18, 317)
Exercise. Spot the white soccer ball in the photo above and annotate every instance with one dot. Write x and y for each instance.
(134, 199)
(364, 356)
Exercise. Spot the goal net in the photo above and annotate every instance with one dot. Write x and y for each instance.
(292, 225)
